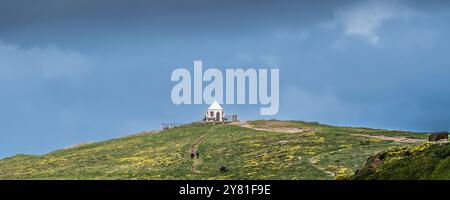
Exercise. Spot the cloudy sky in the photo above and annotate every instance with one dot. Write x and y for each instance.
(90, 70)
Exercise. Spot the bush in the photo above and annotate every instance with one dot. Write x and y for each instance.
(365, 142)
(419, 162)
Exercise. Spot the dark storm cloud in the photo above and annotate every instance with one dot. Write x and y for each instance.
(235, 16)
(198, 14)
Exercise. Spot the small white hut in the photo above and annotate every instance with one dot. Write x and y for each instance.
(214, 113)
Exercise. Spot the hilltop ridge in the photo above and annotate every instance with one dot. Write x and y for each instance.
(263, 149)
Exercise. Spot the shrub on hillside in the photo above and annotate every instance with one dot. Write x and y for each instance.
(417, 162)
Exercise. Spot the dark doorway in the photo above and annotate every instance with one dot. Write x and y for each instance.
(217, 116)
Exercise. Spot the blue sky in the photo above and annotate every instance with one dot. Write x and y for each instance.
(74, 71)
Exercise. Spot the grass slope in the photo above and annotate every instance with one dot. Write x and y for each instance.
(422, 162)
(319, 152)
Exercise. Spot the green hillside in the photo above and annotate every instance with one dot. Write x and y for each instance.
(254, 150)
(422, 162)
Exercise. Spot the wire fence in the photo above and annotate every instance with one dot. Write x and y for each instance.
(231, 118)
(165, 126)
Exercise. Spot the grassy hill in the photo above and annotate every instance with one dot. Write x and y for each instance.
(254, 150)
(422, 162)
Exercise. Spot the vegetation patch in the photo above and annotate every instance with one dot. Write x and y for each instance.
(318, 152)
(426, 161)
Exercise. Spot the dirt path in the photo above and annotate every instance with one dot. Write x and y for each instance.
(315, 159)
(392, 138)
(272, 129)
(194, 147)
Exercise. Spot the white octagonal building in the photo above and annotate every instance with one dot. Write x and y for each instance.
(214, 113)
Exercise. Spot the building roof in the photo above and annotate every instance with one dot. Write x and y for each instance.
(215, 106)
